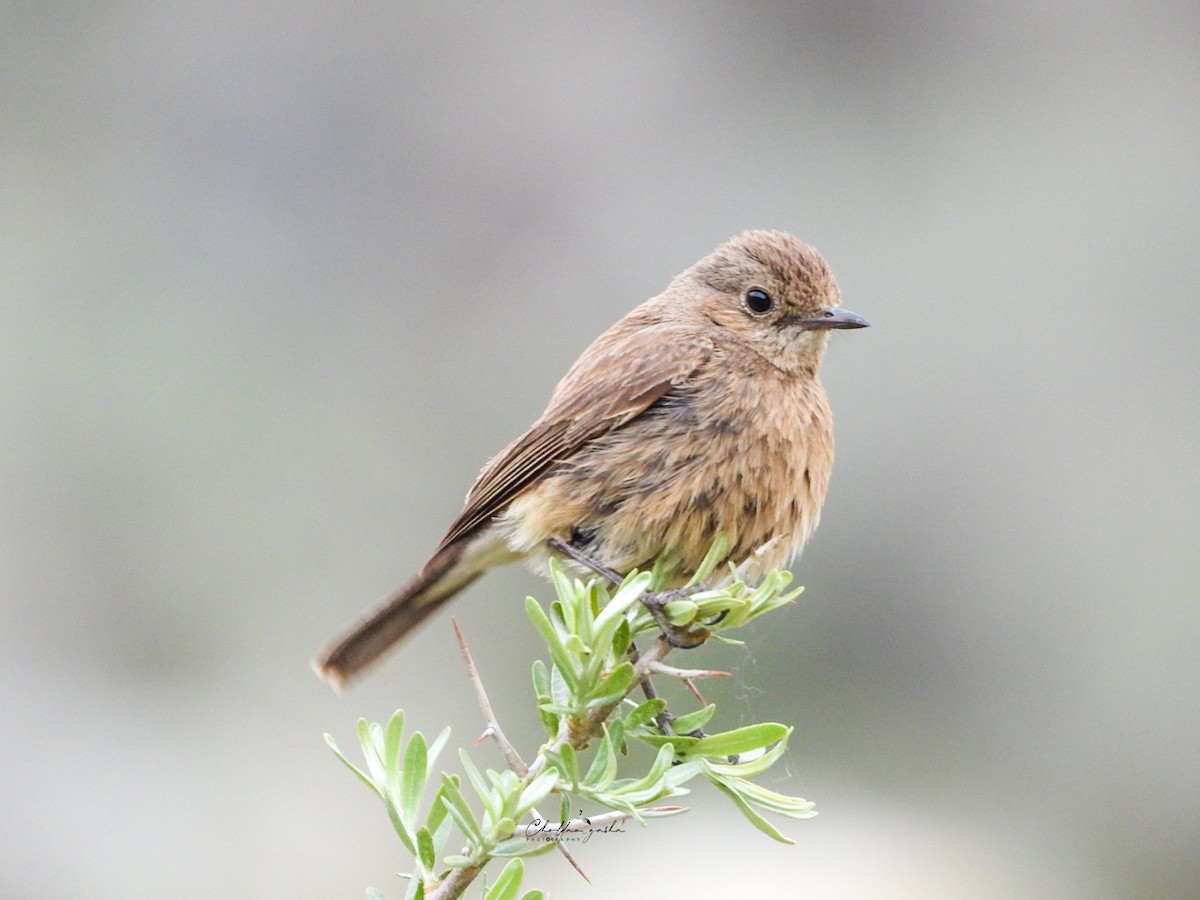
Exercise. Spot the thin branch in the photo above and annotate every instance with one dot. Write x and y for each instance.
(695, 691)
(493, 729)
(663, 669)
(511, 756)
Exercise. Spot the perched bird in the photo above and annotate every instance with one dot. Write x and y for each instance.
(697, 413)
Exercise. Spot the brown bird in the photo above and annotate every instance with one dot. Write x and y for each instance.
(699, 412)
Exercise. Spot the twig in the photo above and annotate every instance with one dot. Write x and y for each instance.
(511, 756)
(695, 691)
(493, 729)
(663, 669)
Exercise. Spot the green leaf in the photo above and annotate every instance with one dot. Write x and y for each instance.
(549, 721)
(613, 614)
(391, 742)
(366, 739)
(622, 639)
(562, 584)
(740, 740)
(750, 765)
(684, 772)
(533, 895)
(426, 852)
(437, 814)
(440, 823)
(535, 792)
(651, 782)
(362, 776)
(509, 882)
(754, 818)
(679, 743)
(560, 691)
(505, 827)
(564, 661)
(570, 762)
(688, 723)
(490, 801)
(412, 778)
(716, 553)
(792, 807)
(574, 644)
(456, 806)
(644, 713)
(616, 734)
(612, 687)
(541, 679)
(604, 767)
(400, 828)
(434, 750)
(513, 846)
(681, 612)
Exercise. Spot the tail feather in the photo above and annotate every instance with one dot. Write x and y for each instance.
(439, 580)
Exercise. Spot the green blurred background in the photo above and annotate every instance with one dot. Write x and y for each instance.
(278, 279)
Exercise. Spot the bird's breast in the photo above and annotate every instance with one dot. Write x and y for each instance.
(729, 451)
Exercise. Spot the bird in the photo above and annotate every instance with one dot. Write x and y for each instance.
(699, 413)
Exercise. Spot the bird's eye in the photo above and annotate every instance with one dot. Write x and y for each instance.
(758, 301)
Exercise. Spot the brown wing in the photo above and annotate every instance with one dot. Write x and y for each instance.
(620, 375)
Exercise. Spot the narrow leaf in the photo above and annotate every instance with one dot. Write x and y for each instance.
(412, 779)
(362, 776)
(613, 687)
(509, 882)
(391, 741)
(434, 750)
(688, 723)
(558, 652)
(740, 740)
(754, 818)
(426, 852)
(486, 794)
(513, 846)
(535, 792)
(644, 713)
(570, 762)
(604, 767)
(456, 806)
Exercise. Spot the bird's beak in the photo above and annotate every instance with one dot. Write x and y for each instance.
(833, 317)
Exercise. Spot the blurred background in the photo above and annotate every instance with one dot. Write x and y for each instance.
(279, 278)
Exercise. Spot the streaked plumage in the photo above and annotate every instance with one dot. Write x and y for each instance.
(696, 413)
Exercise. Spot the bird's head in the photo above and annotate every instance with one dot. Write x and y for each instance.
(773, 293)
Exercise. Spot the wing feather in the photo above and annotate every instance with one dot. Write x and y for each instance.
(622, 374)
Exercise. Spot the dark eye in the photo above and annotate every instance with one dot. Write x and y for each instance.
(758, 301)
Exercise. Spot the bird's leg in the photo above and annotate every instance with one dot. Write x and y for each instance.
(568, 549)
(677, 636)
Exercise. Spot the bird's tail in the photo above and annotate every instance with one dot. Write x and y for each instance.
(446, 573)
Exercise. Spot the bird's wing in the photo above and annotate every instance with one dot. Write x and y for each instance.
(623, 373)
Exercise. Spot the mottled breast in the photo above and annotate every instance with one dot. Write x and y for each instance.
(741, 448)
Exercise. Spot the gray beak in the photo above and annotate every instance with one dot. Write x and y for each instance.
(834, 317)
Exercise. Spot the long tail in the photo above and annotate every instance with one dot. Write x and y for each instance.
(439, 579)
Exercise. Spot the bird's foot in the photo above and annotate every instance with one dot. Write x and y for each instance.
(682, 637)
